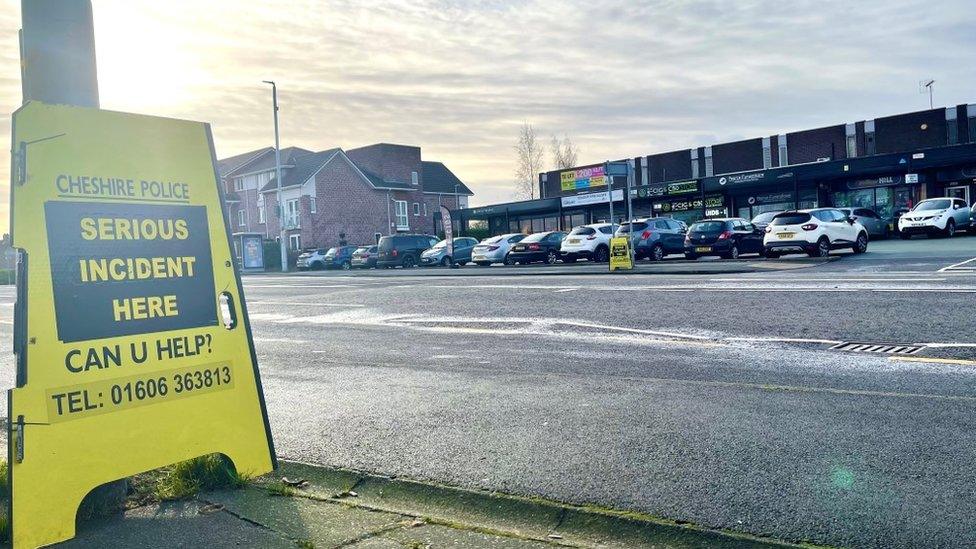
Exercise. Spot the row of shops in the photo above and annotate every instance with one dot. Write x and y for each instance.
(888, 184)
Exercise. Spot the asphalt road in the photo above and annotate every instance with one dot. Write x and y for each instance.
(708, 398)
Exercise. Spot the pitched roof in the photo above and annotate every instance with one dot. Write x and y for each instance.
(258, 160)
(439, 179)
(227, 165)
(380, 183)
(304, 166)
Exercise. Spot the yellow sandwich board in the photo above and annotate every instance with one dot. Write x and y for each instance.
(133, 344)
(620, 253)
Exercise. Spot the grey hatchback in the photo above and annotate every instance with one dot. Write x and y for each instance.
(875, 225)
(654, 237)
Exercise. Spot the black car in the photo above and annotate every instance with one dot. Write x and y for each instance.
(339, 257)
(726, 237)
(542, 246)
(402, 249)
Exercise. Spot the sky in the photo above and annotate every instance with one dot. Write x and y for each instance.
(621, 78)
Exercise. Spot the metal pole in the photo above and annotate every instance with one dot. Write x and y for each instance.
(606, 174)
(282, 236)
(57, 52)
(630, 209)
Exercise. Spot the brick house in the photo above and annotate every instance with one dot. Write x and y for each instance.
(337, 195)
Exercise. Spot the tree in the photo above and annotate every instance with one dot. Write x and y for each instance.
(528, 162)
(564, 152)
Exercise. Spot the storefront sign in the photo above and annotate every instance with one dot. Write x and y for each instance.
(688, 205)
(742, 178)
(676, 188)
(883, 181)
(591, 198)
(582, 178)
(134, 348)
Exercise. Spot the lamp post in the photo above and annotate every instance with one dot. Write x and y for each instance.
(282, 236)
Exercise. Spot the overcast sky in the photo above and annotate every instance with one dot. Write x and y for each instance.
(621, 78)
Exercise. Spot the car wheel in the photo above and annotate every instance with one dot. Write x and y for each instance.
(509, 261)
(903, 235)
(733, 253)
(552, 257)
(657, 252)
(950, 230)
(408, 262)
(345, 266)
(445, 261)
(861, 244)
(318, 266)
(822, 249)
(691, 257)
(602, 254)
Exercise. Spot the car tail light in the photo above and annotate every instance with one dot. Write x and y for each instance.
(809, 227)
(645, 235)
(393, 252)
(769, 229)
(492, 248)
(533, 246)
(725, 235)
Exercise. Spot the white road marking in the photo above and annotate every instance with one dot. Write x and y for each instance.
(783, 340)
(280, 340)
(566, 290)
(959, 266)
(690, 288)
(303, 286)
(305, 303)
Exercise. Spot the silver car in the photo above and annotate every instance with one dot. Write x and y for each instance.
(876, 226)
(495, 249)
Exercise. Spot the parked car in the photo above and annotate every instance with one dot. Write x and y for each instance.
(972, 220)
(437, 254)
(815, 232)
(402, 250)
(364, 257)
(542, 246)
(726, 237)
(655, 237)
(896, 215)
(875, 225)
(495, 249)
(761, 221)
(339, 257)
(311, 259)
(588, 242)
(936, 216)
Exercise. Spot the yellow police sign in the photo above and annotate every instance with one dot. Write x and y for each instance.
(131, 333)
(620, 253)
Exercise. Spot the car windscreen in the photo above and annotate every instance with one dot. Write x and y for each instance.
(708, 227)
(439, 245)
(792, 218)
(637, 227)
(387, 243)
(583, 231)
(534, 237)
(764, 217)
(331, 252)
(929, 205)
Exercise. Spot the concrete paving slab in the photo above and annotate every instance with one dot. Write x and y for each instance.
(432, 535)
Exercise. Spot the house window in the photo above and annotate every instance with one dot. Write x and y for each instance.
(238, 183)
(414, 178)
(291, 213)
(784, 159)
(851, 136)
(311, 204)
(242, 217)
(416, 208)
(400, 208)
(295, 242)
(767, 154)
(425, 209)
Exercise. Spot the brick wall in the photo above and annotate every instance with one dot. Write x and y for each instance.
(809, 145)
(904, 132)
(391, 162)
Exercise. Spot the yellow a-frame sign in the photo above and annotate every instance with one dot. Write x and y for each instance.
(133, 345)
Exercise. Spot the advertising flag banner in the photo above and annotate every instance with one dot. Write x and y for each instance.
(448, 230)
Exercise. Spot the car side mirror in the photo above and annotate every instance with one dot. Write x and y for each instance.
(851, 220)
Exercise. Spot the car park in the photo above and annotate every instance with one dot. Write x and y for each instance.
(815, 232)
(587, 242)
(364, 258)
(437, 254)
(936, 217)
(542, 246)
(402, 250)
(339, 257)
(761, 221)
(654, 237)
(495, 249)
(311, 260)
(727, 238)
(873, 223)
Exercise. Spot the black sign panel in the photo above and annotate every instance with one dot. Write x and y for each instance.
(123, 269)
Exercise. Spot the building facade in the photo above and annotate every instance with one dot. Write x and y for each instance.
(338, 196)
(887, 164)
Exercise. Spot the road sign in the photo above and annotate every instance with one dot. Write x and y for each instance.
(131, 332)
(620, 257)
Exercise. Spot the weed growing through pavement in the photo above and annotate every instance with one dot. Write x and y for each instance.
(187, 478)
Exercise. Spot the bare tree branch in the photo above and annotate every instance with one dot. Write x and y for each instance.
(528, 162)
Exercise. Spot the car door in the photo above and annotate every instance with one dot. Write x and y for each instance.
(960, 212)
(553, 241)
(675, 236)
(753, 238)
(464, 252)
(846, 232)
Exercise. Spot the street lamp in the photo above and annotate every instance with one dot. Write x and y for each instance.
(281, 210)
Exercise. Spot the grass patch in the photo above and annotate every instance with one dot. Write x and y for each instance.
(187, 478)
(305, 544)
(279, 489)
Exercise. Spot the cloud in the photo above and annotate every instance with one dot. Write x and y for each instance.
(621, 77)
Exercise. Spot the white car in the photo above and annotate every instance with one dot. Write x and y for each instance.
(588, 241)
(312, 259)
(942, 216)
(815, 232)
(495, 249)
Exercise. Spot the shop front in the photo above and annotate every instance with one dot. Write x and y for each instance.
(681, 200)
(886, 195)
(749, 194)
